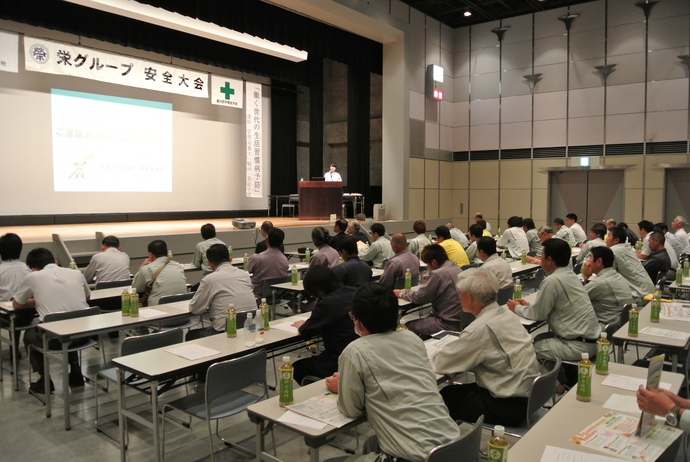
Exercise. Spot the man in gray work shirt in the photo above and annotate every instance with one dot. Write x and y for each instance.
(627, 264)
(608, 291)
(563, 302)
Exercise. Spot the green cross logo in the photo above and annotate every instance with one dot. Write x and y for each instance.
(226, 90)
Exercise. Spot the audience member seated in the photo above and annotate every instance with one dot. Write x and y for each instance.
(658, 261)
(496, 348)
(109, 265)
(597, 238)
(266, 227)
(457, 235)
(385, 372)
(645, 228)
(454, 250)
(486, 251)
(564, 304)
(168, 274)
(325, 254)
(419, 241)
(514, 238)
(439, 290)
(270, 264)
(476, 231)
(329, 319)
(12, 273)
(608, 291)
(531, 234)
(225, 285)
(485, 231)
(352, 271)
(401, 261)
(354, 229)
(678, 225)
(208, 232)
(51, 289)
(544, 233)
(627, 264)
(339, 229)
(478, 218)
(575, 228)
(563, 232)
(631, 237)
(380, 248)
(673, 246)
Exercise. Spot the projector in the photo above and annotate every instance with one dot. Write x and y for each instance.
(241, 223)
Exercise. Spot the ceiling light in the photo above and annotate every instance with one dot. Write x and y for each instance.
(467, 14)
(176, 21)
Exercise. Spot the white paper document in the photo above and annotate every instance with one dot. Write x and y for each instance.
(554, 454)
(151, 313)
(629, 383)
(674, 334)
(192, 352)
(294, 418)
(288, 327)
(182, 305)
(623, 403)
(676, 311)
(323, 408)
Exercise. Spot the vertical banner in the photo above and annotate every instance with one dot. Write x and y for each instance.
(9, 52)
(254, 125)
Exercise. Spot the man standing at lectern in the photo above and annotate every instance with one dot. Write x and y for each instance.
(332, 175)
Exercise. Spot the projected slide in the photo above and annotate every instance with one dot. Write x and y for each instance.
(110, 144)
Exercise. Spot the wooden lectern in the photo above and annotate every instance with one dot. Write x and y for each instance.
(319, 199)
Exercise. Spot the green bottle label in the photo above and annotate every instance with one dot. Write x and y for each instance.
(679, 276)
(286, 386)
(584, 381)
(125, 304)
(655, 311)
(603, 357)
(497, 454)
(517, 292)
(632, 324)
(231, 324)
(134, 304)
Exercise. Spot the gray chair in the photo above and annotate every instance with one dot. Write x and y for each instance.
(224, 394)
(504, 294)
(176, 324)
(130, 346)
(111, 284)
(400, 282)
(269, 293)
(464, 449)
(90, 343)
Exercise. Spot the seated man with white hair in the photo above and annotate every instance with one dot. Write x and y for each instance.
(496, 348)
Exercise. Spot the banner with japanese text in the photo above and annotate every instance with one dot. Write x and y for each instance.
(254, 126)
(60, 58)
(9, 52)
(227, 92)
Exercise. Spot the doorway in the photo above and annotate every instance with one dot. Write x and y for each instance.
(677, 200)
(593, 195)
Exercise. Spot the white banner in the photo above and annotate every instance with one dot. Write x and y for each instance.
(227, 92)
(9, 52)
(59, 58)
(254, 126)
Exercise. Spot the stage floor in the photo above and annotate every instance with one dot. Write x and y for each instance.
(34, 234)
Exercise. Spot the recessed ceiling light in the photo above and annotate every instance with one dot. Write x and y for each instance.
(467, 14)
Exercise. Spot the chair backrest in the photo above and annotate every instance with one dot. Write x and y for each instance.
(111, 284)
(384, 263)
(612, 327)
(538, 277)
(236, 374)
(62, 315)
(464, 449)
(400, 282)
(175, 298)
(532, 253)
(267, 291)
(542, 390)
(132, 345)
(625, 313)
(661, 278)
(242, 317)
(504, 294)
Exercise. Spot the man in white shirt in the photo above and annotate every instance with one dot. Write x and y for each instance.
(495, 348)
(380, 248)
(486, 251)
(673, 245)
(109, 265)
(645, 228)
(12, 273)
(332, 175)
(208, 232)
(170, 280)
(51, 289)
(575, 228)
(678, 225)
(563, 232)
(225, 285)
(457, 235)
(514, 238)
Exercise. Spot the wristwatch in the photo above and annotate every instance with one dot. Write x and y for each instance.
(672, 416)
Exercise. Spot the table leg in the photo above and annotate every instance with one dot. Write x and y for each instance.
(120, 415)
(314, 454)
(65, 384)
(674, 363)
(46, 375)
(14, 354)
(259, 439)
(621, 351)
(154, 419)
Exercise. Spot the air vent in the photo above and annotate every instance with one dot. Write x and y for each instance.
(586, 151)
(461, 156)
(516, 153)
(484, 155)
(670, 147)
(624, 149)
(542, 153)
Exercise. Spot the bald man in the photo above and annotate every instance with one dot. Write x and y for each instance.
(398, 263)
